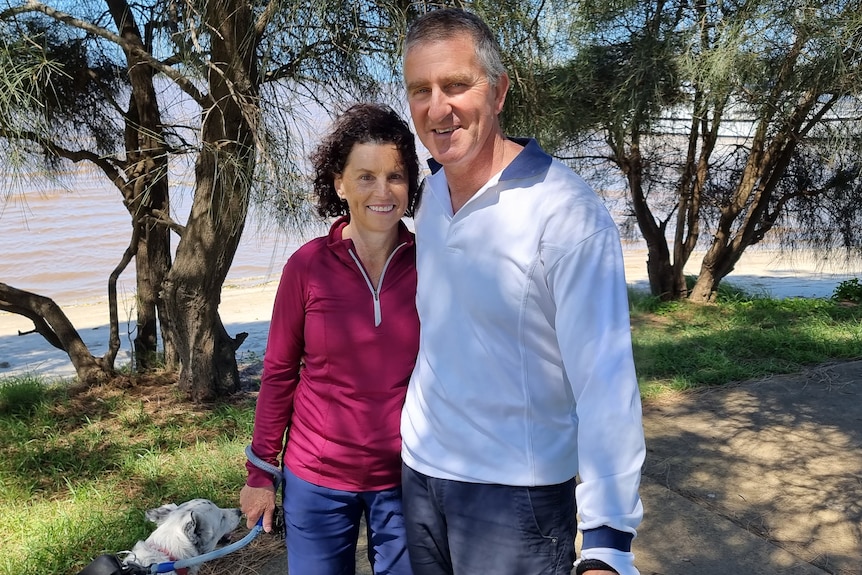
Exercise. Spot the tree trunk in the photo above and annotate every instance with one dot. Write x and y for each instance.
(152, 262)
(223, 176)
(717, 263)
(665, 278)
(50, 321)
(146, 190)
(192, 291)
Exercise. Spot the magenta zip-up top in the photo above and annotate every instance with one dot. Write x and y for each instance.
(336, 367)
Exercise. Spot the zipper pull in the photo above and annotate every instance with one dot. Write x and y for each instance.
(378, 314)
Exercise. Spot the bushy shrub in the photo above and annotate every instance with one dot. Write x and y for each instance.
(848, 290)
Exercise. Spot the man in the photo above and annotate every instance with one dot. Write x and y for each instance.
(525, 376)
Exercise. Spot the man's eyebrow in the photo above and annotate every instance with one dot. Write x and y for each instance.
(459, 78)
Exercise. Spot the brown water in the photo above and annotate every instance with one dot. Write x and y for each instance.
(64, 243)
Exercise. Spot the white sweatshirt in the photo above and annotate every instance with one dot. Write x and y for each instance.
(525, 373)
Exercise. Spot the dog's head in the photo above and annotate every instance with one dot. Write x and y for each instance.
(191, 528)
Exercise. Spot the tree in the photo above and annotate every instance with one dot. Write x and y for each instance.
(67, 92)
(244, 65)
(727, 121)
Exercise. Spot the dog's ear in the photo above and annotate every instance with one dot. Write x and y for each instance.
(159, 514)
(195, 530)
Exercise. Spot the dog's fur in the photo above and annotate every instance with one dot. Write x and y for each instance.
(184, 531)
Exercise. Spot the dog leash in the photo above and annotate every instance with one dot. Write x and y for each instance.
(111, 565)
(217, 553)
(265, 466)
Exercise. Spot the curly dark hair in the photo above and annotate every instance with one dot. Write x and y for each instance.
(361, 124)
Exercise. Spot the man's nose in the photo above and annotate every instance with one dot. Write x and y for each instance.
(439, 107)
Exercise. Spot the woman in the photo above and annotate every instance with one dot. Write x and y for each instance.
(342, 344)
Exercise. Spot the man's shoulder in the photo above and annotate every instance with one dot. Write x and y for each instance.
(547, 172)
(569, 206)
(561, 183)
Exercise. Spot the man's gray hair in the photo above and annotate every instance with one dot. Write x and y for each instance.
(447, 23)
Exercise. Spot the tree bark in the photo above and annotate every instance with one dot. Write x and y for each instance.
(50, 321)
(223, 176)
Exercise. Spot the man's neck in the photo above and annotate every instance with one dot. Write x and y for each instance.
(464, 182)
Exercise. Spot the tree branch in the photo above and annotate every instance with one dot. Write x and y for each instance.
(106, 164)
(50, 321)
(266, 17)
(182, 81)
(164, 219)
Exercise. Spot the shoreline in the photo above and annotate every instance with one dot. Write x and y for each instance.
(246, 306)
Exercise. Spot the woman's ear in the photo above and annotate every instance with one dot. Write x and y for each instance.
(337, 180)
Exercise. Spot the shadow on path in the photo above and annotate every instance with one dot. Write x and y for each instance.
(780, 458)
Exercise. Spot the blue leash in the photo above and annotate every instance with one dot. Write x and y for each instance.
(261, 464)
(109, 564)
(220, 552)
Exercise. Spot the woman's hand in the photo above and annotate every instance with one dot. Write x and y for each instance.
(256, 502)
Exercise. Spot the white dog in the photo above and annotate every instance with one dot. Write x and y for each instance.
(184, 531)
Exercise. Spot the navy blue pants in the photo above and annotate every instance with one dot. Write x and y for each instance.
(322, 529)
(458, 528)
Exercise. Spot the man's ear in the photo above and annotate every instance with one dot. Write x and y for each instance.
(502, 88)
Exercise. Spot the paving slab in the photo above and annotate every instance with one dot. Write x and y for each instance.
(779, 457)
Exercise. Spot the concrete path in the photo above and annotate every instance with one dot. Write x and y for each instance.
(758, 478)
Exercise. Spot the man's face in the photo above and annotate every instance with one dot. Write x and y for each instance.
(453, 105)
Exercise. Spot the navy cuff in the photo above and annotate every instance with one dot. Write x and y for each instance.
(607, 537)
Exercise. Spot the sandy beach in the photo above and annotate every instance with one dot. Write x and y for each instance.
(246, 307)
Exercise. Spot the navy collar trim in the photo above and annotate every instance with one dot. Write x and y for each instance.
(531, 162)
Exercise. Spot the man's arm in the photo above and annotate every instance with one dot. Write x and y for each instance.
(594, 333)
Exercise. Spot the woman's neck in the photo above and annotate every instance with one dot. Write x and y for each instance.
(372, 248)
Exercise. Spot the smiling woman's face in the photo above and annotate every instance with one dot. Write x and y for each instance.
(375, 185)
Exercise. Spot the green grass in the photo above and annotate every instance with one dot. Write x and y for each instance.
(680, 346)
(78, 471)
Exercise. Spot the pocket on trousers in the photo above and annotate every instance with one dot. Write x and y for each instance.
(540, 513)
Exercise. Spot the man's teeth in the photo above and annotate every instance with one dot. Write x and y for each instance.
(445, 130)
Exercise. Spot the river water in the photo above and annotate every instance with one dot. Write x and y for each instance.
(63, 242)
